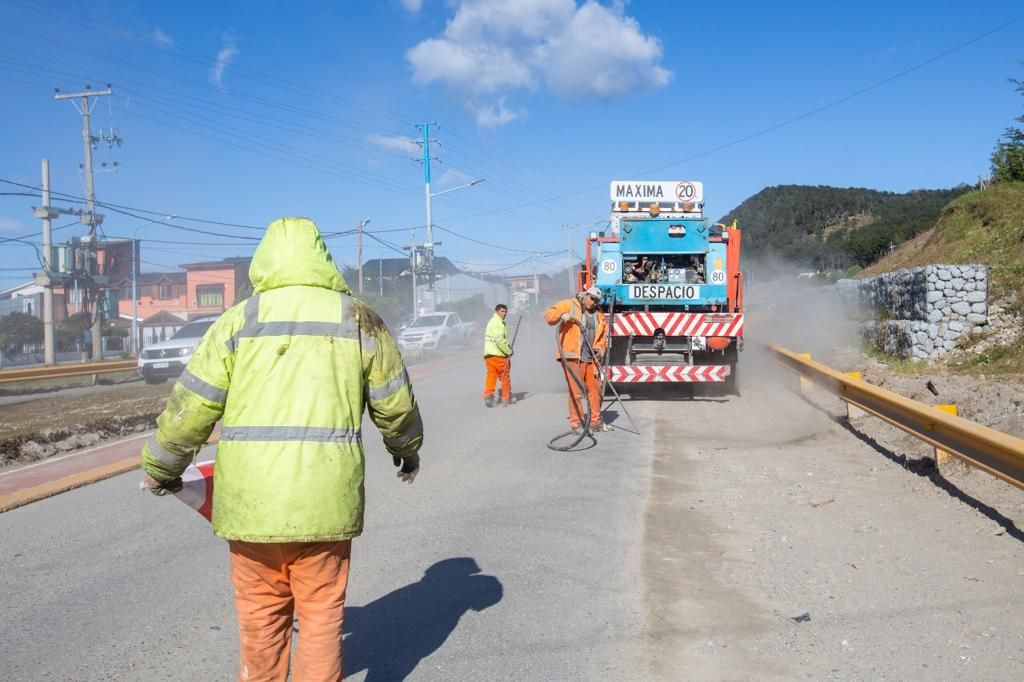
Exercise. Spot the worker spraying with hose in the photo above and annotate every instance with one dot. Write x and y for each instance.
(582, 338)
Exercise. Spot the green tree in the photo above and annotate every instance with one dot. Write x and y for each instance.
(71, 330)
(19, 329)
(388, 308)
(472, 309)
(1008, 157)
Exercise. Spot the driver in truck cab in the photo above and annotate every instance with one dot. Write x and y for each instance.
(642, 270)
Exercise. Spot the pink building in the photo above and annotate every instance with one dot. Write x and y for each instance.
(157, 292)
(215, 286)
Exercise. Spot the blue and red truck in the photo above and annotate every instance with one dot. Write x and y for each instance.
(672, 285)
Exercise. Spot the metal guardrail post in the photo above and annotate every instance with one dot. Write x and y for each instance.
(999, 454)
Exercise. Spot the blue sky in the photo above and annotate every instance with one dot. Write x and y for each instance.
(241, 112)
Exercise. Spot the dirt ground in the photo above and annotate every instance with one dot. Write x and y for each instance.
(53, 423)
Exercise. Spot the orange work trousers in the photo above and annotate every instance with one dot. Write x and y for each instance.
(276, 581)
(498, 367)
(586, 372)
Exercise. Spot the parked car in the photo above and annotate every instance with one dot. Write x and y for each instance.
(166, 359)
(436, 330)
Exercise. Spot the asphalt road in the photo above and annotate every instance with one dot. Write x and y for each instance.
(503, 561)
(738, 538)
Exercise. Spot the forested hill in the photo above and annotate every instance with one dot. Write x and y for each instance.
(833, 228)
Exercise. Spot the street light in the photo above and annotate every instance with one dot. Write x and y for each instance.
(430, 231)
(135, 296)
(362, 225)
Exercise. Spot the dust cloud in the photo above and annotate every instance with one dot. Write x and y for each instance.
(802, 314)
(784, 306)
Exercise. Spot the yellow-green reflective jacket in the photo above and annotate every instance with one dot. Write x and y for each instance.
(496, 337)
(289, 370)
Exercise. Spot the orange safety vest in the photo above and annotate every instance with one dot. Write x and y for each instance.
(569, 336)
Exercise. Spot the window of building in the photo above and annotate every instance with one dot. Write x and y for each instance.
(210, 295)
(166, 291)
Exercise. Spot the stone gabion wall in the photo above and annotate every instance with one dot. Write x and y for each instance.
(922, 313)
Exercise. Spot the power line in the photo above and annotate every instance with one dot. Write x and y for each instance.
(199, 58)
(353, 172)
(73, 198)
(281, 148)
(388, 244)
(483, 243)
(33, 234)
(787, 122)
(78, 50)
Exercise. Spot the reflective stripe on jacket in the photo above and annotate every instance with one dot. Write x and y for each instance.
(290, 371)
(569, 334)
(496, 337)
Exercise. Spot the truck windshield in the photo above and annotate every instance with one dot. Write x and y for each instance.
(429, 321)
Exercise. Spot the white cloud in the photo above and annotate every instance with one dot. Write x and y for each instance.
(624, 60)
(227, 54)
(11, 225)
(412, 6)
(394, 142)
(493, 116)
(158, 36)
(452, 178)
(490, 48)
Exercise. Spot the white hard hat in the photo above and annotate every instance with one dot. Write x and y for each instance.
(592, 291)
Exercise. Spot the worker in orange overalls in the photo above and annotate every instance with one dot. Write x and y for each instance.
(497, 352)
(580, 318)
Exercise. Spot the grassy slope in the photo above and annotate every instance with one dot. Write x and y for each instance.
(981, 227)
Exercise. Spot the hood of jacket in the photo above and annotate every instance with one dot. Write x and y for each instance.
(292, 253)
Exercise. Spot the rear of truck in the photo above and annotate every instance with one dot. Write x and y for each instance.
(677, 317)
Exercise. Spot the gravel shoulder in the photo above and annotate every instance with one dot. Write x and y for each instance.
(55, 424)
(782, 544)
(996, 402)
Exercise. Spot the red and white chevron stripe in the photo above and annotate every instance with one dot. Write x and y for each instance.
(632, 374)
(678, 324)
(197, 488)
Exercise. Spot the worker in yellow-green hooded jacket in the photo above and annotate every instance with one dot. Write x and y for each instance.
(289, 371)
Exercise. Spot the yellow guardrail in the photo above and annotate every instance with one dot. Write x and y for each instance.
(8, 376)
(999, 454)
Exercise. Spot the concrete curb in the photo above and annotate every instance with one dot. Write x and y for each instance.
(62, 485)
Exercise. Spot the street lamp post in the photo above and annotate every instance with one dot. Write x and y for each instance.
(362, 225)
(135, 296)
(429, 245)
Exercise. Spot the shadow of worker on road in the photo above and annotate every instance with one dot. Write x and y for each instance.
(390, 636)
